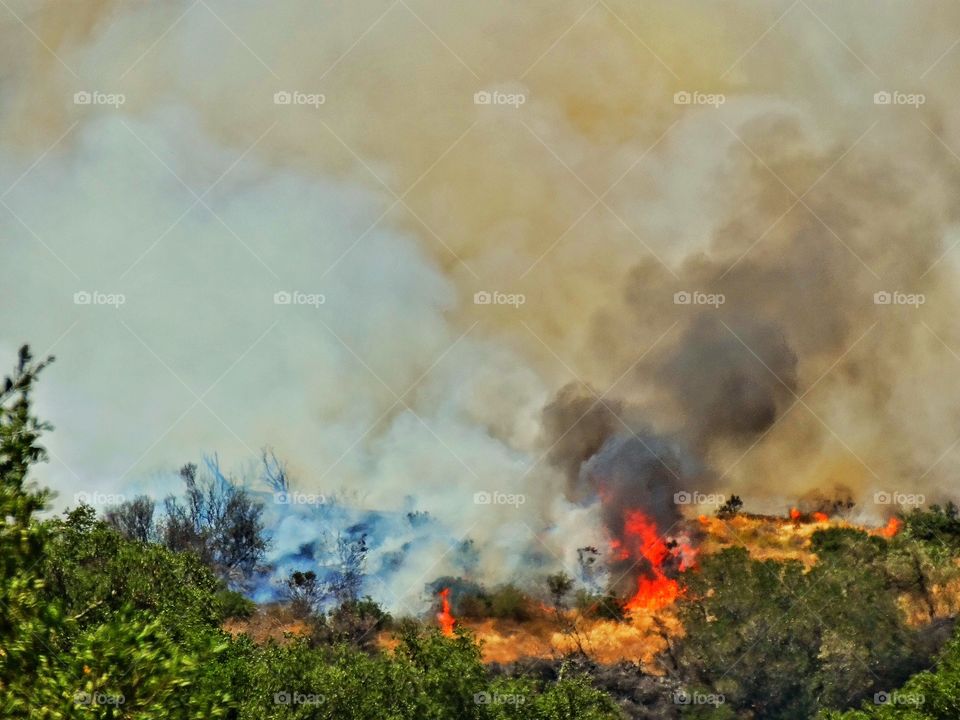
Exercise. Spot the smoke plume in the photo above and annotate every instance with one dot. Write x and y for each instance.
(712, 248)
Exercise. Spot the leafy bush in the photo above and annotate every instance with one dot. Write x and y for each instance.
(232, 604)
(601, 607)
(928, 695)
(783, 642)
(509, 603)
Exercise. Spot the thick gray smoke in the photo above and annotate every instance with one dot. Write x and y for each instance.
(729, 382)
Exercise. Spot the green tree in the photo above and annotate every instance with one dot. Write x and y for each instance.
(57, 665)
(928, 695)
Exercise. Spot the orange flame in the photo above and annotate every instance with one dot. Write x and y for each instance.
(820, 517)
(642, 540)
(891, 528)
(445, 617)
(794, 514)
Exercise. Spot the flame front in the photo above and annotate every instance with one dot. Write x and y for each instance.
(891, 528)
(445, 617)
(641, 539)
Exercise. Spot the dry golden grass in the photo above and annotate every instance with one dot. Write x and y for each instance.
(645, 635)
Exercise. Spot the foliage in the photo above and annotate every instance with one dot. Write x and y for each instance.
(937, 525)
(601, 606)
(354, 623)
(559, 586)
(28, 626)
(472, 600)
(731, 508)
(783, 641)
(57, 663)
(428, 677)
(95, 572)
(928, 695)
(232, 604)
(508, 602)
(134, 519)
(218, 521)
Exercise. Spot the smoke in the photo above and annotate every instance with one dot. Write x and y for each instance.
(708, 270)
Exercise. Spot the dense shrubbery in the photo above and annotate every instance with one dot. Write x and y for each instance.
(216, 520)
(930, 695)
(504, 602)
(780, 641)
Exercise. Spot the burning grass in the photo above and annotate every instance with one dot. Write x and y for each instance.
(649, 620)
(532, 628)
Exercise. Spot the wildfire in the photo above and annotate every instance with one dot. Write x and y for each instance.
(891, 528)
(821, 517)
(794, 514)
(642, 540)
(445, 617)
